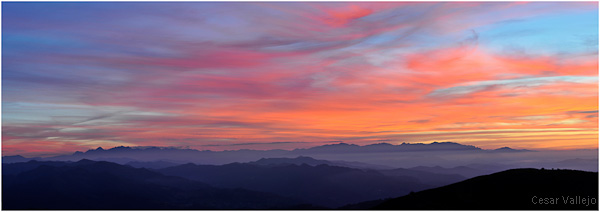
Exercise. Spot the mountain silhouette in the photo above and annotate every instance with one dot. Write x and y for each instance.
(279, 183)
(508, 149)
(314, 162)
(17, 168)
(519, 189)
(326, 185)
(17, 159)
(103, 185)
(373, 156)
(344, 148)
(124, 155)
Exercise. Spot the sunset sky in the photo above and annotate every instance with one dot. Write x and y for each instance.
(226, 76)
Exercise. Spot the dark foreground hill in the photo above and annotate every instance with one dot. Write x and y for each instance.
(513, 189)
(104, 185)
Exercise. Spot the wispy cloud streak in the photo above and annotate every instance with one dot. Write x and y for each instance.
(284, 75)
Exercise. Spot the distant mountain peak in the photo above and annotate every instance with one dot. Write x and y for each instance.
(17, 158)
(381, 144)
(504, 148)
(333, 146)
(436, 146)
(99, 149)
(136, 148)
(434, 143)
(125, 154)
(85, 161)
(508, 149)
(341, 144)
(337, 147)
(445, 143)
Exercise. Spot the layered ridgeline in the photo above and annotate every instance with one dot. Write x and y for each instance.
(123, 153)
(148, 179)
(374, 156)
(103, 185)
(86, 184)
(276, 183)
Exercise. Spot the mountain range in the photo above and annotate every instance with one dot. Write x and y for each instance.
(381, 156)
(279, 181)
(124, 154)
(103, 185)
(283, 184)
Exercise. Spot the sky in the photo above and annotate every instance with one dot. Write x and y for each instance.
(285, 75)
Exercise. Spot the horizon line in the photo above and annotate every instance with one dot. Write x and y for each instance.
(243, 144)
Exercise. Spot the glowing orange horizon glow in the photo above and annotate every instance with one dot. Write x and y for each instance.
(307, 75)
